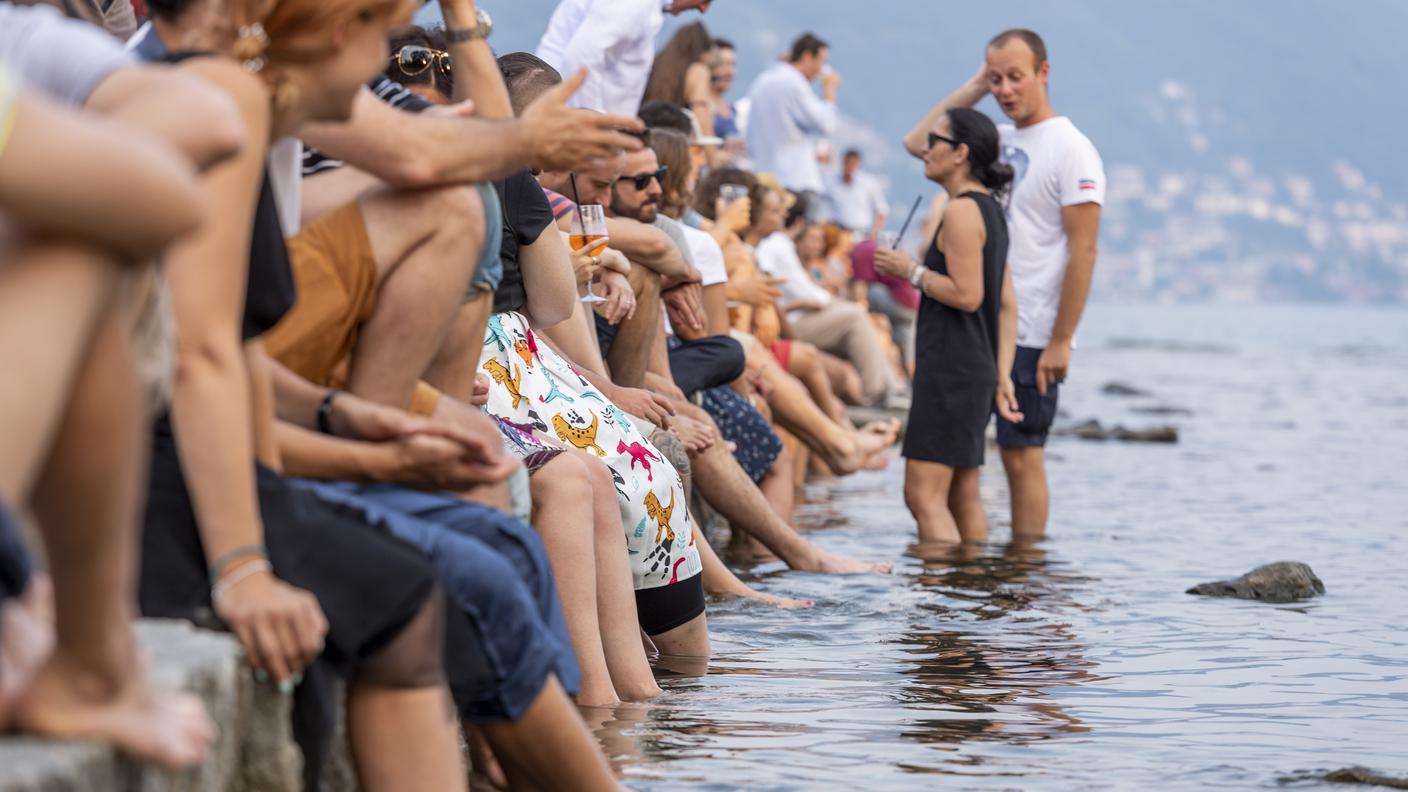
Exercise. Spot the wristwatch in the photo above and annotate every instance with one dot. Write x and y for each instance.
(483, 27)
(917, 277)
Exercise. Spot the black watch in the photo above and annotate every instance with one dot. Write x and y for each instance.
(483, 27)
(325, 412)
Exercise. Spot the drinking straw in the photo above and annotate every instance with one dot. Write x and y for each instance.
(907, 220)
(582, 221)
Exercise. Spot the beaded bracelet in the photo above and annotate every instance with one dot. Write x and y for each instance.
(239, 576)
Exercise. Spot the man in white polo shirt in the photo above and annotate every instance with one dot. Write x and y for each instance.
(1053, 218)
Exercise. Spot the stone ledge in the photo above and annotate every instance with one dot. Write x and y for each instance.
(254, 751)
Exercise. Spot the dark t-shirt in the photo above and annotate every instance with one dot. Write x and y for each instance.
(387, 90)
(526, 216)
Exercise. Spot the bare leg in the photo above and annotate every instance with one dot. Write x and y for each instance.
(777, 484)
(426, 244)
(87, 501)
(630, 352)
(727, 488)
(965, 503)
(399, 714)
(843, 451)
(844, 378)
(615, 599)
(805, 364)
(560, 490)
(549, 747)
(690, 639)
(1031, 498)
(719, 579)
(926, 488)
(452, 369)
(26, 640)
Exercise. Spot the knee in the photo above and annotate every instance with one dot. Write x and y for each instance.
(805, 356)
(646, 283)
(561, 482)
(1023, 463)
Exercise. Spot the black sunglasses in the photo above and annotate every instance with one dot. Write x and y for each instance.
(935, 137)
(413, 60)
(643, 180)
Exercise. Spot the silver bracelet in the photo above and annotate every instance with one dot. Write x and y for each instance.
(239, 576)
(918, 277)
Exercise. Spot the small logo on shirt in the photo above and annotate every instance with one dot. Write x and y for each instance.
(1085, 184)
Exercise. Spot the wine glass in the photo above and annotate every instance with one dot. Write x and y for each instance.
(588, 227)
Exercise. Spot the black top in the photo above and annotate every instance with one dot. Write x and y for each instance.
(969, 340)
(269, 291)
(526, 216)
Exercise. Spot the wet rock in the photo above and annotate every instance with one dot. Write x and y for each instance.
(1362, 775)
(1123, 389)
(1163, 410)
(1094, 430)
(1282, 581)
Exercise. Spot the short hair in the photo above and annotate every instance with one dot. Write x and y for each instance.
(723, 43)
(526, 76)
(661, 114)
(807, 44)
(851, 152)
(1028, 37)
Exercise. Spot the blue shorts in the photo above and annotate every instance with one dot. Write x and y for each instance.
(500, 583)
(490, 270)
(1038, 411)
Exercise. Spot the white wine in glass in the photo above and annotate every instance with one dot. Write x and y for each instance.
(588, 227)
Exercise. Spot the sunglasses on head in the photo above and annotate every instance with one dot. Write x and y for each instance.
(935, 137)
(642, 181)
(414, 59)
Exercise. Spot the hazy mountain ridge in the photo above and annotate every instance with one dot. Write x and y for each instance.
(1252, 148)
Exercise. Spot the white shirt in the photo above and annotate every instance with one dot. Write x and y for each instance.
(614, 39)
(1056, 166)
(777, 255)
(708, 256)
(785, 120)
(856, 204)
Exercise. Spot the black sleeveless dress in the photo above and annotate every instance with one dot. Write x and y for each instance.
(955, 358)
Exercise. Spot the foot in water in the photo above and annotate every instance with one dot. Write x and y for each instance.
(835, 564)
(786, 603)
(67, 701)
(26, 639)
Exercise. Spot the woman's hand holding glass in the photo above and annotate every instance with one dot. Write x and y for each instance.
(894, 263)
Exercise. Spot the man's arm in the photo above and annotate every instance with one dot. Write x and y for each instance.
(477, 76)
(1082, 224)
(816, 115)
(916, 141)
(605, 28)
(419, 150)
(644, 245)
(180, 108)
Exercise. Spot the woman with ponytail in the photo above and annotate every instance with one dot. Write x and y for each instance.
(966, 334)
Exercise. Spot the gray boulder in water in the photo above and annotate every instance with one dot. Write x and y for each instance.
(1283, 581)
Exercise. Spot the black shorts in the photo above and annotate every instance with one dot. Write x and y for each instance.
(1038, 410)
(14, 559)
(706, 362)
(664, 608)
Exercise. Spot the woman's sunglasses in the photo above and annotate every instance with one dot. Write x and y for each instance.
(935, 137)
(414, 60)
(643, 180)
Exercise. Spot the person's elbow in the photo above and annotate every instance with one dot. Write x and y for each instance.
(222, 128)
(552, 310)
(970, 300)
(410, 171)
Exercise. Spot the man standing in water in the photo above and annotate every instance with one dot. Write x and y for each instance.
(1053, 217)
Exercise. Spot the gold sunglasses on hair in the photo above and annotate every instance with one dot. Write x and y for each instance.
(414, 59)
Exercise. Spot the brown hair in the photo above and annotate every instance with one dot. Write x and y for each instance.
(672, 148)
(691, 44)
(300, 31)
(1028, 37)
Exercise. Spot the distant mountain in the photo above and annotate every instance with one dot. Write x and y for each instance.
(1268, 134)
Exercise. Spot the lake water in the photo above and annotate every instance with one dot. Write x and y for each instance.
(1080, 663)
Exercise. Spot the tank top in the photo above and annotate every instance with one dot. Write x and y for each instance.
(967, 341)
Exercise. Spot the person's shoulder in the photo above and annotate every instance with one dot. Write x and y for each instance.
(1070, 134)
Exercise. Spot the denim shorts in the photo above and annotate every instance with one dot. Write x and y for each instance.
(1038, 410)
(499, 582)
(490, 270)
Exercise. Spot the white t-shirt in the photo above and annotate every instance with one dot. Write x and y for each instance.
(614, 40)
(855, 204)
(708, 256)
(777, 255)
(1056, 166)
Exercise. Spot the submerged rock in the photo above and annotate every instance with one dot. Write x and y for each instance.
(1123, 389)
(1161, 409)
(1282, 581)
(1094, 430)
(1363, 775)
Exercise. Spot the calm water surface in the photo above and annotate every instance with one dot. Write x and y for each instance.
(1080, 663)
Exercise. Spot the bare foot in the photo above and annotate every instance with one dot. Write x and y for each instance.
(786, 603)
(26, 639)
(841, 565)
(67, 701)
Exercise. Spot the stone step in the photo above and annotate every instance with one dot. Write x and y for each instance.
(254, 751)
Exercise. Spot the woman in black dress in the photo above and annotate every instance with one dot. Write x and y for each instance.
(966, 334)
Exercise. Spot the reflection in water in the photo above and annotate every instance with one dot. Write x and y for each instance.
(994, 683)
